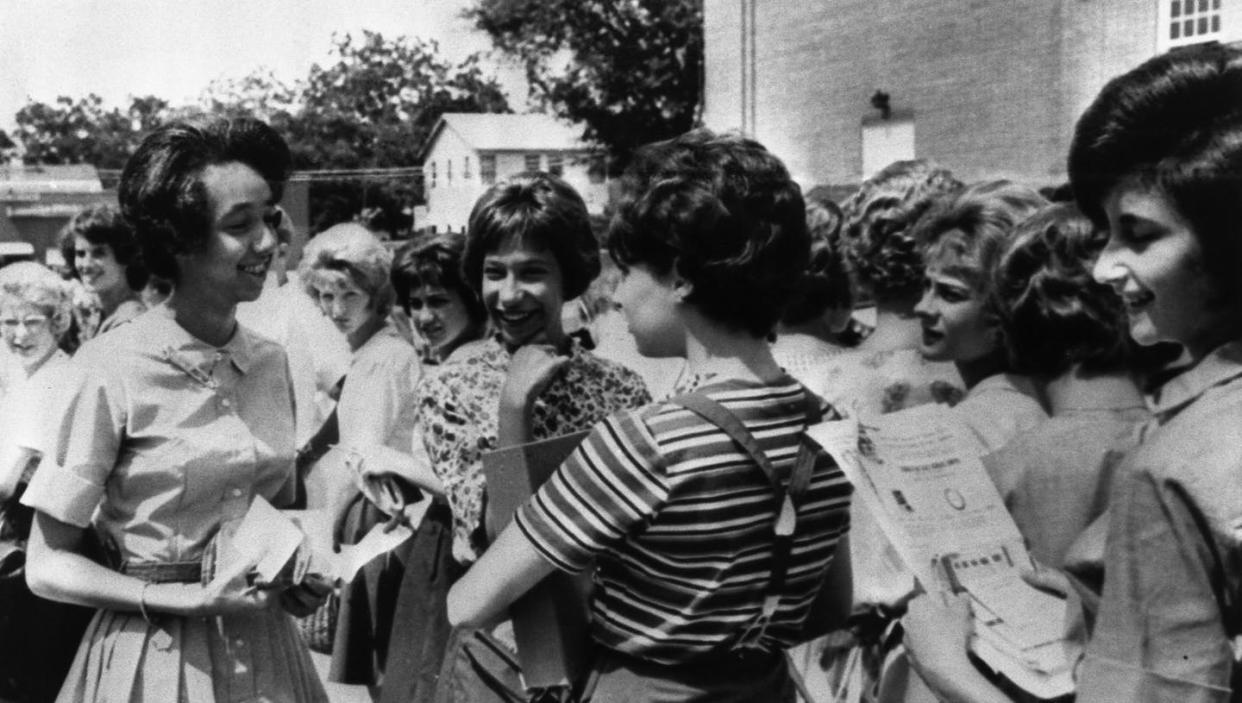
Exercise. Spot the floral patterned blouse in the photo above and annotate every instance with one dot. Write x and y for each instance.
(458, 409)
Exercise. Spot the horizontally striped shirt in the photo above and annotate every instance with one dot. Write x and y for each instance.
(679, 522)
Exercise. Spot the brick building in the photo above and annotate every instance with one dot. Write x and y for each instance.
(989, 88)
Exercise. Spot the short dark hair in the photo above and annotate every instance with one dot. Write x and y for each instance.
(974, 227)
(1053, 313)
(724, 212)
(1173, 123)
(826, 281)
(537, 210)
(875, 233)
(434, 260)
(104, 224)
(161, 189)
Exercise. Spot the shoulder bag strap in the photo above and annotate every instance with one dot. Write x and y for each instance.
(787, 496)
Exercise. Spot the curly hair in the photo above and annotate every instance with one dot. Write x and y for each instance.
(1173, 123)
(161, 190)
(351, 249)
(875, 236)
(826, 282)
(434, 260)
(104, 225)
(970, 230)
(1053, 313)
(540, 211)
(30, 283)
(724, 212)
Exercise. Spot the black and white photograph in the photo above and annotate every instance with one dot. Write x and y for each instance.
(612, 351)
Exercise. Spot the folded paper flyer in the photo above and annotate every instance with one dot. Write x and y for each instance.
(291, 544)
(919, 475)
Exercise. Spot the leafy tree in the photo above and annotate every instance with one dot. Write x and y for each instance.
(371, 106)
(630, 70)
(81, 131)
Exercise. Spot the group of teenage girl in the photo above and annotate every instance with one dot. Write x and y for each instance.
(1090, 338)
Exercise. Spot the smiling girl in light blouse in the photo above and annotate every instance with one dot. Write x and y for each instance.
(166, 429)
(1155, 159)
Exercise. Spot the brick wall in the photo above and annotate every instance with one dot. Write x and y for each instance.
(994, 85)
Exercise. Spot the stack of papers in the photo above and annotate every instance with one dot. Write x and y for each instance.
(289, 545)
(919, 475)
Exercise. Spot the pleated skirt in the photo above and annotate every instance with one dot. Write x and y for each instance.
(256, 657)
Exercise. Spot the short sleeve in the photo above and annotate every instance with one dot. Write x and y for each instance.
(82, 441)
(612, 484)
(378, 393)
(456, 433)
(1161, 633)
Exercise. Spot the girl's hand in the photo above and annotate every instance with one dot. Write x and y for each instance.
(305, 598)
(937, 633)
(938, 628)
(530, 371)
(1051, 581)
(405, 517)
(228, 593)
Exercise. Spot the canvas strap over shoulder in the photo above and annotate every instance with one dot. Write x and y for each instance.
(788, 494)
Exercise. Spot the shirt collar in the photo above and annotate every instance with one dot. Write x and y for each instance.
(1221, 365)
(1005, 382)
(195, 356)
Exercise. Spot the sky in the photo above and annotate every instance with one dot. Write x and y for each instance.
(174, 48)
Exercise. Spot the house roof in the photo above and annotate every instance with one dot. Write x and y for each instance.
(505, 132)
(72, 178)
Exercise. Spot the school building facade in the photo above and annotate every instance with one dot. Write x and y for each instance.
(988, 88)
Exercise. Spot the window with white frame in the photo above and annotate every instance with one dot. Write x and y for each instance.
(433, 174)
(556, 165)
(487, 168)
(448, 170)
(1186, 22)
(532, 162)
(465, 171)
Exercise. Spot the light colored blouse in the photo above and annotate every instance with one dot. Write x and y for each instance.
(1056, 479)
(161, 441)
(1170, 609)
(805, 356)
(861, 383)
(127, 311)
(377, 406)
(1000, 408)
(23, 414)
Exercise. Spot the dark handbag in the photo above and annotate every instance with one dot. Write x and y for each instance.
(326, 437)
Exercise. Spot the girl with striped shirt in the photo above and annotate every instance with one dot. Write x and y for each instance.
(676, 517)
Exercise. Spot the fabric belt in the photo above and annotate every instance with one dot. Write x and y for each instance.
(164, 572)
(713, 664)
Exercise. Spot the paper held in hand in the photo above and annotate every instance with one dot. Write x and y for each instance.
(288, 545)
(919, 475)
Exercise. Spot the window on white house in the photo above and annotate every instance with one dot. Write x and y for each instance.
(556, 164)
(433, 174)
(465, 171)
(487, 168)
(532, 162)
(448, 170)
(1186, 22)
